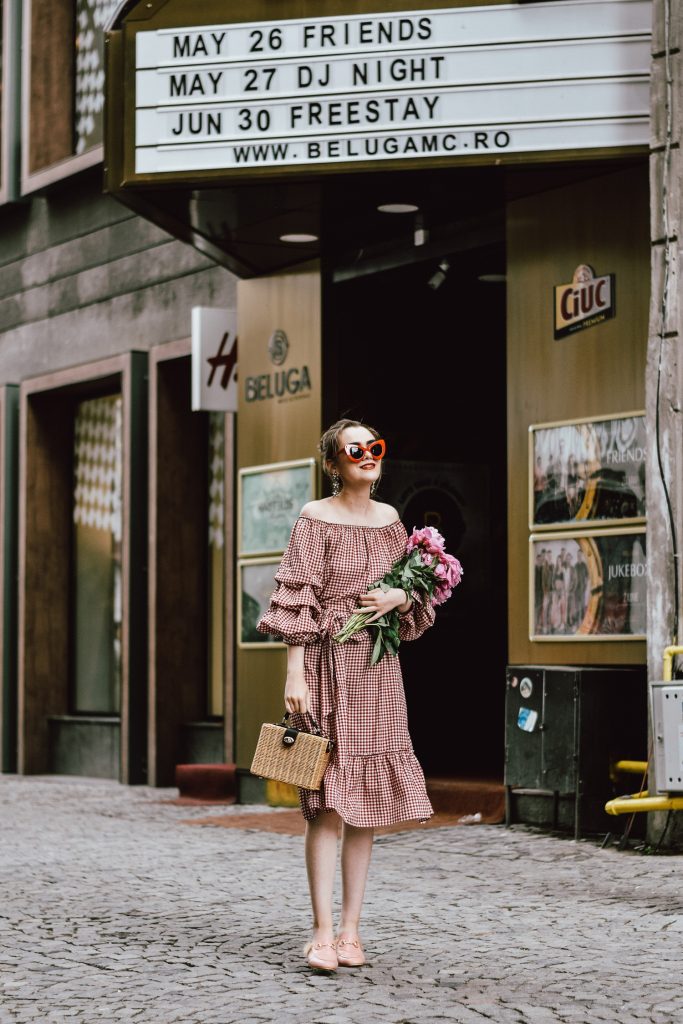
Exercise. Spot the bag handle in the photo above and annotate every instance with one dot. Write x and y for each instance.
(316, 731)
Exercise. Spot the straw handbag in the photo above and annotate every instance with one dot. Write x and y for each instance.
(292, 755)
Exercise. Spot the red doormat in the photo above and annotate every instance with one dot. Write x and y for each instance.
(468, 797)
(291, 823)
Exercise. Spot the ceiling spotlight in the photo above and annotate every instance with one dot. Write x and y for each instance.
(298, 239)
(439, 276)
(398, 208)
(420, 232)
(492, 278)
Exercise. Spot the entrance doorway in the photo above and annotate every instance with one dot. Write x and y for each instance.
(417, 350)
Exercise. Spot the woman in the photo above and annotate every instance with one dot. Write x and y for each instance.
(340, 545)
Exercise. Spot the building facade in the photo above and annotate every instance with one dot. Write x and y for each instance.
(456, 222)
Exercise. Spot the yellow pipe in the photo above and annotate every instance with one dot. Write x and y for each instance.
(669, 655)
(632, 767)
(643, 802)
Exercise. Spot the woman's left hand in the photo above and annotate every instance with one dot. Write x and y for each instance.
(382, 601)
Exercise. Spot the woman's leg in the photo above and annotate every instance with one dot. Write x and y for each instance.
(321, 863)
(355, 861)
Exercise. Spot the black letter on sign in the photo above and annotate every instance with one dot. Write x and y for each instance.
(227, 362)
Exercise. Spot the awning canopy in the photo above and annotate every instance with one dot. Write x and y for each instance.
(259, 131)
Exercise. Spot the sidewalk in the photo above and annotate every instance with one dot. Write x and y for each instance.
(113, 909)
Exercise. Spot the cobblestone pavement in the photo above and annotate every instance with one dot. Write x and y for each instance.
(112, 909)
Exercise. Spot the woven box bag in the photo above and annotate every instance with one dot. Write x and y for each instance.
(291, 755)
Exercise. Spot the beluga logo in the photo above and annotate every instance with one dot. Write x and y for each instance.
(283, 385)
(585, 302)
(278, 347)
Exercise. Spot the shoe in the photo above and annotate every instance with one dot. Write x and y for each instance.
(350, 953)
(318, 957)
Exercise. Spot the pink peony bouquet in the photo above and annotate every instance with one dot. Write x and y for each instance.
(425, 569)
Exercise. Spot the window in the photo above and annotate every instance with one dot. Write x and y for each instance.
(97, 611)
(63, 87)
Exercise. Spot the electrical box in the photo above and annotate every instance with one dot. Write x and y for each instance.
(667, 720)
(565, 726)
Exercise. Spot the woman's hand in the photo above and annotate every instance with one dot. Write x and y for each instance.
(382, 601)
(297, 694)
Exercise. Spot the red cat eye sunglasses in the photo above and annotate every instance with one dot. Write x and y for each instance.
(356, 452)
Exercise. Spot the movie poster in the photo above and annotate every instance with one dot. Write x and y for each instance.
(588, 586)
(588, 471)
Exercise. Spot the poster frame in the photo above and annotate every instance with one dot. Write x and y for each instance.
(257, 645)
(575, 524)
(564, 535)
(264, 471)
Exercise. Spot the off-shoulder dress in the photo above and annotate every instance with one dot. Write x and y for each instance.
(374, 777)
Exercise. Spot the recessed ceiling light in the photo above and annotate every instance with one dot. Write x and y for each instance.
(398, 208)
(492, 278)
(298, 238)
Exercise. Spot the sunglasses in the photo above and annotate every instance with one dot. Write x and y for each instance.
(356, 451)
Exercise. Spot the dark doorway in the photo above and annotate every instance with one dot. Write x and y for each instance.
(426, 366)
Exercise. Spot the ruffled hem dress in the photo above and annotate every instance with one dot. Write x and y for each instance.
(374, 777)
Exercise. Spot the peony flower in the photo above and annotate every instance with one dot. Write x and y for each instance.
(441, 595)
(426, 570)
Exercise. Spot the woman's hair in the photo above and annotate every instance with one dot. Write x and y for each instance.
(328, 446)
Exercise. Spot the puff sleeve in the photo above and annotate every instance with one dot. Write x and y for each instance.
(419, 617)
(293, 615)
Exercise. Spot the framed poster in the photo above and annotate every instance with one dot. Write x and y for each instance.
(588, 585)
(256, 583)
(269, 500)
(589, 470)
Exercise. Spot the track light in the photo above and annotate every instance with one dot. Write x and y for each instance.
(420, 232)
(439, 276)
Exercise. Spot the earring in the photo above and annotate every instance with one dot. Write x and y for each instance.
(373, 488)
(336, 485)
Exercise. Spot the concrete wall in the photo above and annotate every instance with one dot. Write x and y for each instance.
(82, 278)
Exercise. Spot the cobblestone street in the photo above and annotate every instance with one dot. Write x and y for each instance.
(114, 909)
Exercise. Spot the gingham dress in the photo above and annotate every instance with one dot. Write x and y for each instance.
(373, 777)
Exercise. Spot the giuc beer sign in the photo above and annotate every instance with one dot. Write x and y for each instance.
(588, 300)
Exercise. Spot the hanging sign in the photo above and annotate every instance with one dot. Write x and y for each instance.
(214, 359)
(454, 82)
(585, 302)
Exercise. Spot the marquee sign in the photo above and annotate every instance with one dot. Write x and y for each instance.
(454, 82)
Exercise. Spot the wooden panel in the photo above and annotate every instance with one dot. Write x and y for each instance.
(44, 574)
(602, 222)
(177, 558)
(52, 56)
(274, 430)
(9, 395)
(287, 426)
(134, 569)
(229, 642)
